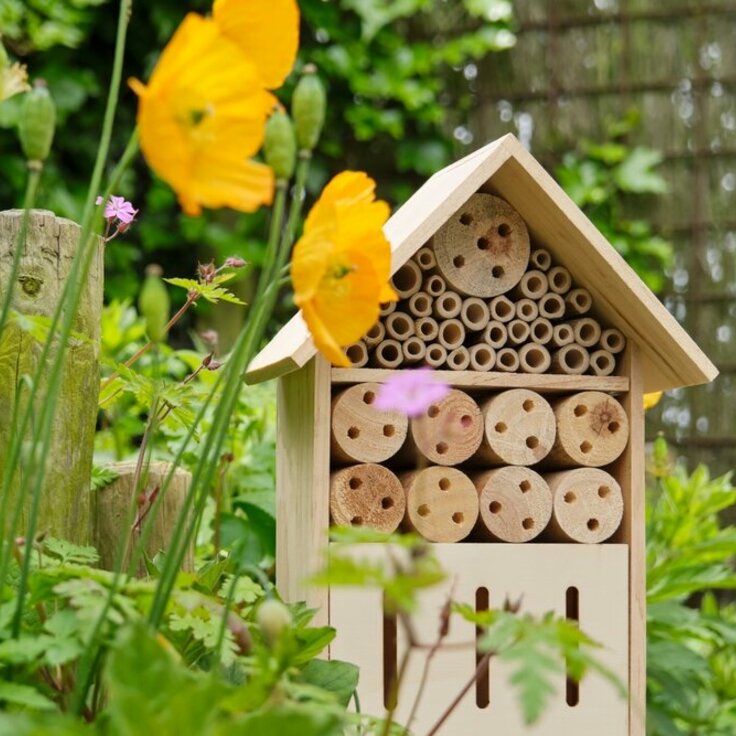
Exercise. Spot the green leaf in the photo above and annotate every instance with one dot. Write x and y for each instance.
(636, 173)
(68, 553)
(13, 693)
(340, 678)
(102, 477)
(286, 720)
(211, 292)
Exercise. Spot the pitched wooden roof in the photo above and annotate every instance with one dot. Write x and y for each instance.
(505, 168)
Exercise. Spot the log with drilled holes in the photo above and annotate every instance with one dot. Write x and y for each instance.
(407, 280)
(441, 503)
(587, 506)
(360, 432)
(592, 430)
(519, 428)
(367, 495)
(515, 504)
(483, 249)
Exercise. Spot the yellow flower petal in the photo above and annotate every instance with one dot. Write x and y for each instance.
(323, 340)
(13, 81)
(267, 31)
(651, 400)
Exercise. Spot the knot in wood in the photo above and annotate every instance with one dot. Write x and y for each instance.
(30, 284)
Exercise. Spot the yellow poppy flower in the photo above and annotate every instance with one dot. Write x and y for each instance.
(342, 263)
(651, 400)
(202, 116)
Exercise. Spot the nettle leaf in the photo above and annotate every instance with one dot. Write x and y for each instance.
(68, 553)
(213, 292)
(102, 477)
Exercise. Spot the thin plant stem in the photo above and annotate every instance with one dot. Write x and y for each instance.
(395, 690)
(225, 615)
(277, 221)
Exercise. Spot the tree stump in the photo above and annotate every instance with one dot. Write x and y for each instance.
(45, 264)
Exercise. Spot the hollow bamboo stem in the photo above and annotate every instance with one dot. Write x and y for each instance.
(534, 358)
(357, 354)
(518, 332)
(572, 359)
(527, 310)
(426, 329)
(459, 359)
(502, 309)
(447, 305)
(541, 331)
(507, 360)
(612, 340)
(375, 335)
(474, 313)
(420, 304)
(552, 306)
(560, 281)
(482, 357)
(425, 258)
(540, 259)
(451, 333)
(388, 354)
(407, 280)
(436, 356)
(414, 349)
(602, 363)
(495, 334)
(399, 326)
(578, 302)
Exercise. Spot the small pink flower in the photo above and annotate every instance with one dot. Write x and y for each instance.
(118, 208)
(234, 262)
(411, 392)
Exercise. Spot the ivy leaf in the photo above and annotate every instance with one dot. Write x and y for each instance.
(213, 292)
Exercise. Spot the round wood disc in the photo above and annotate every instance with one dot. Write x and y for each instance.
(515, 504)
(483, 249)
(362, 433)
(367, 495)
(441, 503)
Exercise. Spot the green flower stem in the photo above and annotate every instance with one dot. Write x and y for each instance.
(277, 221)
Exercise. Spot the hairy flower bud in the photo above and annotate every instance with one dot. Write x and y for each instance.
(279, 146)
(308, 108)
(37, 123)
(273, 617)
(154, 303)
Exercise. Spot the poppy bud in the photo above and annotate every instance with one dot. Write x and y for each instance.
(279, 146)
(308, 108)
(154, 303)
(273, 617)
(37, 123)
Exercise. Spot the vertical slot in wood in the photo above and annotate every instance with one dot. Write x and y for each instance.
(572, 613)
(390, 659)
(483, 681)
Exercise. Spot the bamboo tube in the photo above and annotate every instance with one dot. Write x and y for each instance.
(407, 280)
(502, 309)
(534, 358)
(436, 355)
(527, 310)
(375, 335)
(426, 329)
(449, 432)
(612, 340)
(360, 432)
(482, 357)
(425, 258)
(447, 305)
(451, 334)
(459, 359)
(495, 334)
(386, 308)
(441, 503)
(399, 326)
(483, 249)
(592, 430)
(414, 349)
(474, 313)
(507, 360)
(435, 285)
(357, 354)
(515, 504)
(420, 304)
(578, 302)
(540, 259)
(541, 331)
(587, 506)
(602, 363)
(518, 331)
(388, 354)
(562, 335)
(519, 428)
(552, 306)
(587, 331)
(533, 285)
(560, 281)
(367, 495)
(572, 359)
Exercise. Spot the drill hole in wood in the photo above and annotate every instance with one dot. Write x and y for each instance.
(353, 433)
(389, 430)
(593, 524)
(528, 405)
(423, 510)
(495, 507)
(458, 517)
(613, 427)
(355, 483)
(504, 230)
(604, 491)
(528, 523)
(356, 521)
(441, 448)
(585, 447)
(466, 420)
(500, 427)
(466, 219)
(497, 272)
(532, 442)
(525, 486)
(580, 410)
(483, 244)
(369, 397)
(569, 497)
(387, 503)
(444, 484)
(458, 261)
(433, 411)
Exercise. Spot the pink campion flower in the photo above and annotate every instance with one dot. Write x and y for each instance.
(118, 208)
(411, 392)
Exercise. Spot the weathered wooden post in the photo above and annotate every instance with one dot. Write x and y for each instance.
(48, 251)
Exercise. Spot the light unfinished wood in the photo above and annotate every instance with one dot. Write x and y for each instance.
(414, 349)
(507, 360)
(602, 363)
(496, 334)
(474, 313)
(502, 309)
(459, 359)
(451, 333)
(435, 285)
(552, 306)
(534, 358)
(518, 428)
(482, 357)
(436, 356)
(572, 359)
(578, 302)
(388, 354)
(496, 380)
(560, 281)
(359, 432)
(375, 335)
(449, 432)
(587, 506)
(562, 335)
(592, 430)
(302, 483)
(399, 325)
(113, 520)
(357, 354)
(527, 310)
(613, 340)
(587, 331)
(518, 332)
(447, 305)
(441, 503)
(407, 280)
(420, 304)
(539, 577)
(515, 504)
(483, 248)
(426, 329)
(541, 331)
(540, 259)
(533, 285)
(425, 258)
(368, 495)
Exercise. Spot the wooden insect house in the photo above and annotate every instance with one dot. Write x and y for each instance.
(532, 469)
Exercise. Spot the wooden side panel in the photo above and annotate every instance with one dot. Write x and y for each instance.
(302, 482)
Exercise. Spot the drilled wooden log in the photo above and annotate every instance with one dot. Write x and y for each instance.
(414, 349)
(572, 359)
(483, 249)
(560, 281)
(447, 305)
(367, 495)
(441, 503)
(357, 354)
(435, 285)
(552, 306)
(451, 333)
(495, 334)
(436, 355)
(449, 432)
(387, 308)
(426, 329)
(518, 428)
(534, 358)
(527, 310)
(541, 331)
(515, 504)
(578, 302)
(113, 518)
(587, 506)
(507, 360)
(482, 357)
(474, 314)
(587, 331)
(459, 359)
(533, 285)
(562, 335)
(45, 262)
(592, 430)
(502, 309)
(425, 258)
(612, 340)
(540, 259)
(602, 363)
(407, 280)
(518, 331)
(388, 354)
(420, 304)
